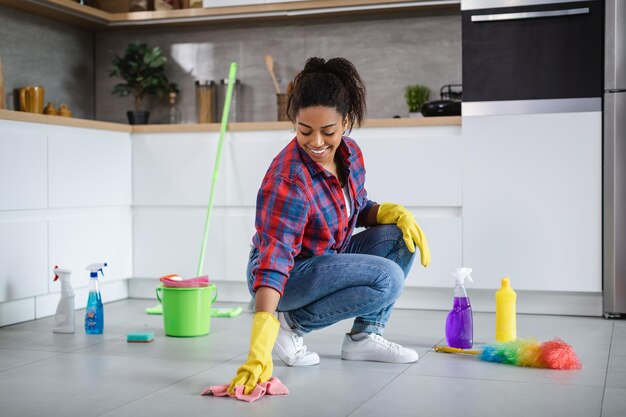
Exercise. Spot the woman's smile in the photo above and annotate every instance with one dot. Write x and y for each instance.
(319, 132)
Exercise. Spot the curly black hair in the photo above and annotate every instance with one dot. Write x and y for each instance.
(334, 83)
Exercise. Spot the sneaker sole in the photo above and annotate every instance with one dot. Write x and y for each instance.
(365, 356)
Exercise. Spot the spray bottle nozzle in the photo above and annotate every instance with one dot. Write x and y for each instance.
(95, 268)
(461, 274)
(64, 272)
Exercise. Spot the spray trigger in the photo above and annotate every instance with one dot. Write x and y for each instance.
(55, 275)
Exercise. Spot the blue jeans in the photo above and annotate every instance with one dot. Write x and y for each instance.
(363, 282)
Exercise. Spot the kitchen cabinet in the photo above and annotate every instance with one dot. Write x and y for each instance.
(89, 168)
(422, 170)
(66, 195)
(72, 12)
(172, 179)
(23, 168)
(532, 200)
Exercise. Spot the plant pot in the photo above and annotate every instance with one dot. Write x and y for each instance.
(138, 117)
(416, 114)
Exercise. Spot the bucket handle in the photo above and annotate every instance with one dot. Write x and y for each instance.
(158, 290)
(214, 289)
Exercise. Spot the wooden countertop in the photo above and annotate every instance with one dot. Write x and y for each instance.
(210, 127)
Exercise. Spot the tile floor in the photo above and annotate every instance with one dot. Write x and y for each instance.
(44, 374)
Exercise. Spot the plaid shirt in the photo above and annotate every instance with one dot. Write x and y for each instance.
(300, 211)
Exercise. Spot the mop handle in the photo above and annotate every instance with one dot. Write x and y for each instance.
(232, 75)
(448, 349)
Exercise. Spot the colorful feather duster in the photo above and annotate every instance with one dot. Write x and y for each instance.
(554, 354)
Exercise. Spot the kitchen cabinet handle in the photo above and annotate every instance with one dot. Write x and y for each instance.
(528, 15)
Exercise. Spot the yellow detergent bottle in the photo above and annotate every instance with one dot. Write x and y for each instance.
(506, 328)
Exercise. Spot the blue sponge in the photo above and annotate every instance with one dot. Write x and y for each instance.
(140, 337)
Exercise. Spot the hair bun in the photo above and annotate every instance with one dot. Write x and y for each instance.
(315, 64)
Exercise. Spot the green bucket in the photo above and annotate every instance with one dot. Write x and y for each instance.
(187, 311)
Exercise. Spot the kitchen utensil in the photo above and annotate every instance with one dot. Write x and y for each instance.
(206, 101)
(64, 110)
(269, 63)
(51, 110)
(31, 99)
(281, 104)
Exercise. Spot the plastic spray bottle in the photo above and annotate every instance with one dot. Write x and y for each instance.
(459, 324)
(64, 320)
(506, 324)
(94, 316)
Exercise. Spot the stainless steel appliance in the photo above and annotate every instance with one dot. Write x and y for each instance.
(532, 56)
(614, 262)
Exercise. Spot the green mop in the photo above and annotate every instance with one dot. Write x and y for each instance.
(215, 312)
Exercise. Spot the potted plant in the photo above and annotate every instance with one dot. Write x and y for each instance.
(415, 96)
(143, 70)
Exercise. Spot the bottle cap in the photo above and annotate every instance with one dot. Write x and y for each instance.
(461, 274)
(506, 282)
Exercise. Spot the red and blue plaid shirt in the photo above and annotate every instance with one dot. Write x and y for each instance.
(300, 210)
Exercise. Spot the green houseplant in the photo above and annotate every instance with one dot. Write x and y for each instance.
(143, 70)
(416, 95)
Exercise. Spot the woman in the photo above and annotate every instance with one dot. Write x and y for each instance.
(305, 263)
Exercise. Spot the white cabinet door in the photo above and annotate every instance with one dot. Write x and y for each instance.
(532, 200)
(83, 238)
(89, 168)
(413, 167)
(23, 166)
(23, 259)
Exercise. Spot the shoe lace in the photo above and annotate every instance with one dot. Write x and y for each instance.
(298, 341)
(386, 343)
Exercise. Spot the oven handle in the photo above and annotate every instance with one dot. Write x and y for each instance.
(528, 15)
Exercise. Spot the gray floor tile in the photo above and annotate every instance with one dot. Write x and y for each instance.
(87, 385)
(614, 404)
(12, 358)
(314, 392)
(45, 340)
(620, 323)
(54, 375)
(616, 378)
(411, 395)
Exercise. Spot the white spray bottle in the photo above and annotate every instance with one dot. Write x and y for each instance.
(64, 320)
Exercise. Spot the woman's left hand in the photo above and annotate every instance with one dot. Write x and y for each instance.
(390, 213)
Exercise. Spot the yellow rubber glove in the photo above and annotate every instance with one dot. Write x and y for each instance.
(390, 213)
(258, 368)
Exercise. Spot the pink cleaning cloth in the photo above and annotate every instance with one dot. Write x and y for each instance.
(174, 281)
(272, 387)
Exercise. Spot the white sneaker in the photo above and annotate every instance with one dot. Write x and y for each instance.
(374, 347)
(290, 347)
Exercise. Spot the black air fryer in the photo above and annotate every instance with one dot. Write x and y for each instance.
(449, 105)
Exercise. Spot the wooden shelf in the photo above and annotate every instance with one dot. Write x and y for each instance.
(19, 116)
(85, 16)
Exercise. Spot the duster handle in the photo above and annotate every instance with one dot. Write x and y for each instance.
(448, 349)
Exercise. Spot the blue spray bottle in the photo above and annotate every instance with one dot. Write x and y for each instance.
(459, 324)
(94, 316)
